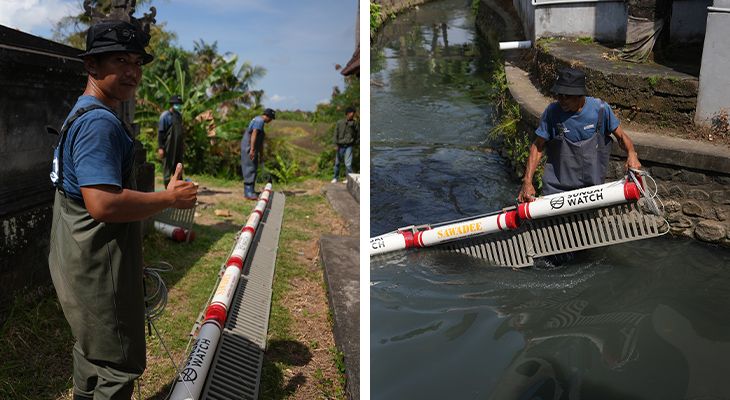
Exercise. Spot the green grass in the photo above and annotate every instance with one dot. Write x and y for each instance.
(37, 341)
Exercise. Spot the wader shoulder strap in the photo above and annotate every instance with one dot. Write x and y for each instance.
(81, 111)
(599, 124)
(559, 129)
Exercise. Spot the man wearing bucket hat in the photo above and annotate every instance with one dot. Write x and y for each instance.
(96, 235)
(576, 131)
(170, 138)
(252, 151)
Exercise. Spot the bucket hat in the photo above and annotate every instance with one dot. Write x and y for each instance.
(570, 82)
(271, 113)
(175, 99)
(116, 36)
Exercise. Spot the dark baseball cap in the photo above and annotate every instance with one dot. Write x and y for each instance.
(116, 36)
(175, 99)
(271, 113)
(570, 82)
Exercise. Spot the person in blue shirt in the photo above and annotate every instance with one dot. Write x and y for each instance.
(252, 151)
(95, 255)
(170, 143)
(576, 132)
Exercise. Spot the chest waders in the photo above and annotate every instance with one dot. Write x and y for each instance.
(96, 269)
(573, 165)
(249, 166)
(174, 148)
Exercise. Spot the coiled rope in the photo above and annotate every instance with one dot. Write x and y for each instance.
(155, 300)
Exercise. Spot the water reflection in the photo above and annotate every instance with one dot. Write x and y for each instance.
(642, 320)
(636, 331)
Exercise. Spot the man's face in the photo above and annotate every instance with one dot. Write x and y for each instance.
(570, 102)
(267, 119)
(350, 116)
(117, 75)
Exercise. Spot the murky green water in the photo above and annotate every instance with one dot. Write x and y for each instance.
(643, 320)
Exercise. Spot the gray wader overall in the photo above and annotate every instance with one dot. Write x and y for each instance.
(574, 165)
(174, 148)
(248, 166)
(96, 269)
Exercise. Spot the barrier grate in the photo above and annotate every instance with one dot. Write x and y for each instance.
(562, 234)
(177, 217)
(236, 367)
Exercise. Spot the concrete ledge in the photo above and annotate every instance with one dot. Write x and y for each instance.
(340, 260)
(353, 186)
(651, 147)
(345, 205)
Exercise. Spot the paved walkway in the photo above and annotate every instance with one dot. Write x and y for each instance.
(340, 259)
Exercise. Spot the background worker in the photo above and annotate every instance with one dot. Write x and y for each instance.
(252, 151)
(95, 258)
(576, 130)
(170, 139)
(347, 134)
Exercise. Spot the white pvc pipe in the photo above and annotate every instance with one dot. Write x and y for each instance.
(572, 201)
(556, 2)
(174, 232)
(604, 195)
(443, 234)
(189, 384)
(523, 44)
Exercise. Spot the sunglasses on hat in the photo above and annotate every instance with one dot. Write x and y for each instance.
(124, 35)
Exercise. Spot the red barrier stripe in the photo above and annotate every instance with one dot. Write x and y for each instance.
(408, 236)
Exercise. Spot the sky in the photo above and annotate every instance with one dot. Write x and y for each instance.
(298, 42)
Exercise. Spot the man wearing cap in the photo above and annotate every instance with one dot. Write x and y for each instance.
(252, 151)
(347, 133)
(170, 138)
(576, 130)
(96, 238)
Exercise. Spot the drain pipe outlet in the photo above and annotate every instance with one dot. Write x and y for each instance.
(524, 44)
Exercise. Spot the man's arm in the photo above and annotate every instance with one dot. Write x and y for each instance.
(252, 152)
(161, 129)
(632, 159)
(336, 134)
(528, 190)
(109, 203)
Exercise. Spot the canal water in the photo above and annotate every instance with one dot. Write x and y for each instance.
(643, 320)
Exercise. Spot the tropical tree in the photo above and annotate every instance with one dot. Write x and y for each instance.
(207, 59)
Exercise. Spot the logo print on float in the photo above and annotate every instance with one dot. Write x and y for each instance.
(557, 203)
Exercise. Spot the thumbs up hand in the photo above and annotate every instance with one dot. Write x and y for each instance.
(184, 193)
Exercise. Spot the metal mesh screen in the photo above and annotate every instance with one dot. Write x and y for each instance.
(583, 230)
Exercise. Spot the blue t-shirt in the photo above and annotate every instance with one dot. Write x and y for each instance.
(97, 150)
(578, 125)
(256, 123)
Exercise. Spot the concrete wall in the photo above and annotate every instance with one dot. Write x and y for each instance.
(389, 7)
(714, 96)
(604, 20)
(40, 81)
